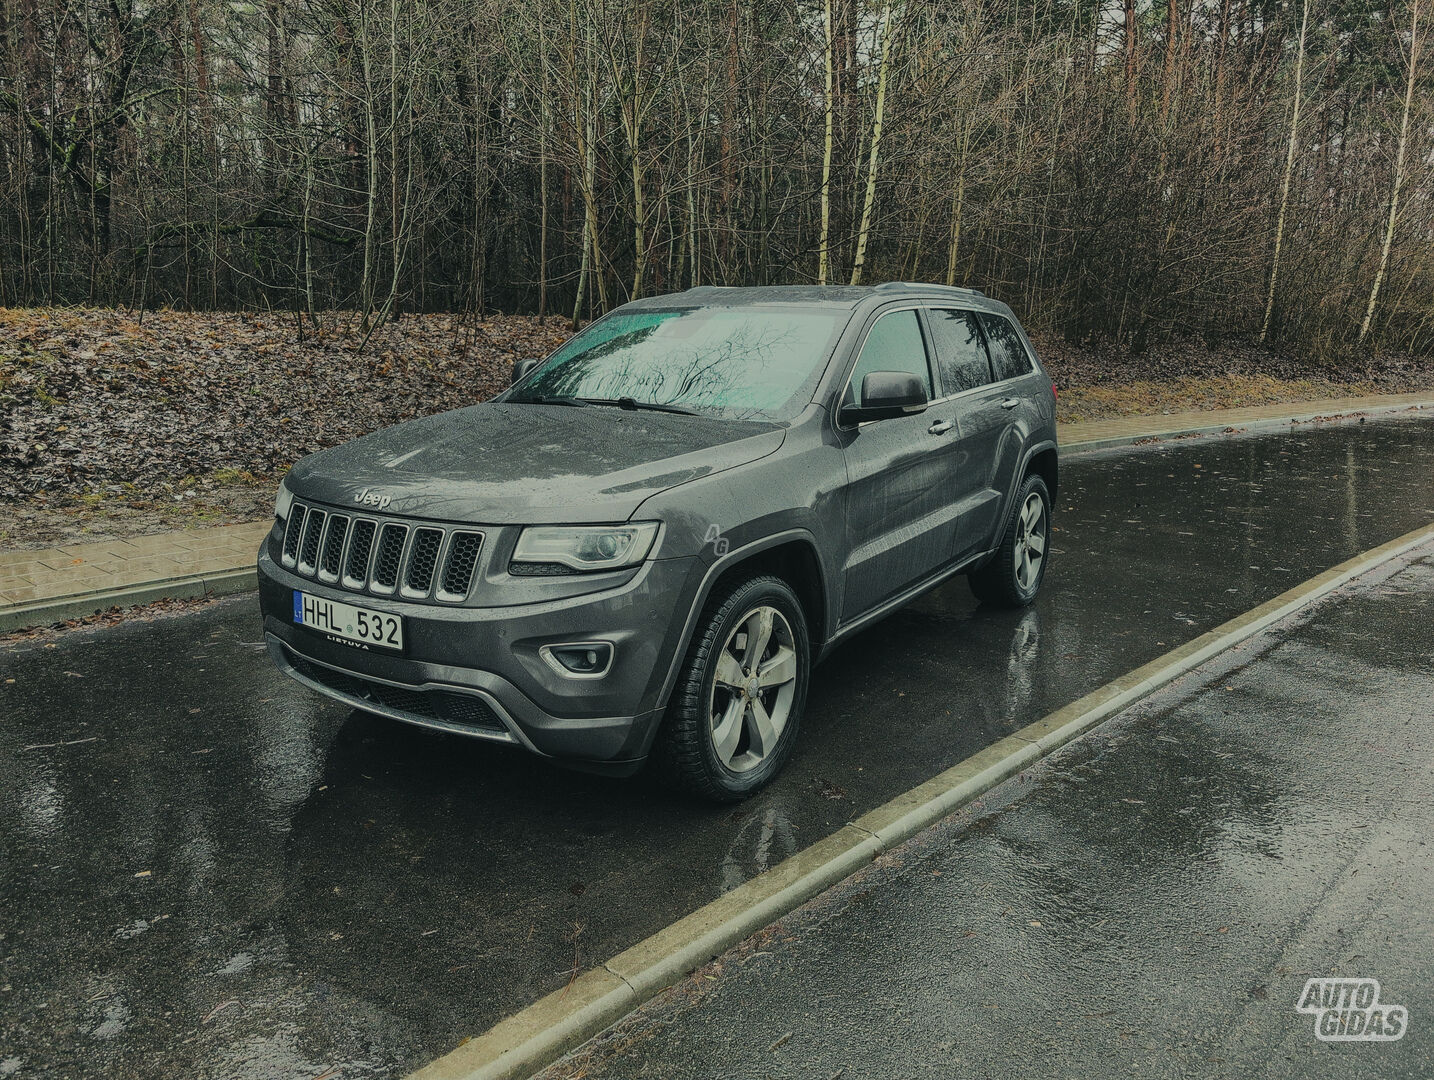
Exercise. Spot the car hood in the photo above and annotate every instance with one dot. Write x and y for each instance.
(504, 464)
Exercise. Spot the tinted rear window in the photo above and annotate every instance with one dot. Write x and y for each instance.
(960, 352)
(1008, 352)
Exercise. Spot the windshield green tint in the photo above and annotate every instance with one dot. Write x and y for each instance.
(731, 362)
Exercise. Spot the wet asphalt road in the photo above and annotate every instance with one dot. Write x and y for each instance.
(1149, 902)
(206, 871)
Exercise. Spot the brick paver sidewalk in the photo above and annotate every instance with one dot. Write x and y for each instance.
(39, 585)
(46, 585)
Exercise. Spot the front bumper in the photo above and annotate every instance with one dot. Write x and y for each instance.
(478, 671)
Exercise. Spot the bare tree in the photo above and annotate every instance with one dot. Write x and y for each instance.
(1289, 169)
(887, 32)
(1409, 82)
(1126, 171)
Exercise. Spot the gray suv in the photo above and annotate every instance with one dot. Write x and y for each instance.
(637, 552)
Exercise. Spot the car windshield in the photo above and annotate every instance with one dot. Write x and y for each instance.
(734, 362)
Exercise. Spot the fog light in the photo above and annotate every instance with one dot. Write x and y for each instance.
(579, 659)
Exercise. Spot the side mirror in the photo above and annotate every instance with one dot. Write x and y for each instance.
(521, 368)
(885, 394)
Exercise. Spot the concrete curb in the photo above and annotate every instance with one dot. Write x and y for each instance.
(541, 1033)
(1274, 423)
(220, 583)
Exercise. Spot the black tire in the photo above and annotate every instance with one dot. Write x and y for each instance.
(998, 582)
(685, 756)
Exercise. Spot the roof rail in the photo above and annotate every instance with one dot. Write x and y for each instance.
(926, 286)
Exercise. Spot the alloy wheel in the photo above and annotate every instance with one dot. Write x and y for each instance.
(752, 692)
(1031, 536)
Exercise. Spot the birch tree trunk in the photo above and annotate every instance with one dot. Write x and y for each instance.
(1398, 172)
(1289, 172)
(958, 198)
(395, 214)
(543, 121)
(694, 250)
(824, 251)
(307, 240)
(888, 27)
(632, 107)
(587, 139)
(366, 283)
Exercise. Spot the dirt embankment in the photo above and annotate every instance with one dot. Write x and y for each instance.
(113, 426)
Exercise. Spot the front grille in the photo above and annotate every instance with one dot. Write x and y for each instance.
(420, 562)
(442, 705)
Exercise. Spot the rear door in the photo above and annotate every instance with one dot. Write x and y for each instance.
(1016, 395)
(976, 404)
(899, 512)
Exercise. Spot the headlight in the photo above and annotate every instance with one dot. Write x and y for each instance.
(583, 547)
(283, 501)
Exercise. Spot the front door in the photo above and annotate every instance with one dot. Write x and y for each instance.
(899, 498)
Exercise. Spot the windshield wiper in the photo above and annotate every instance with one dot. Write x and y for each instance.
(653, 406)
(550, 399)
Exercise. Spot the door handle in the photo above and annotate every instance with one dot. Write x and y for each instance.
(1010, 402)
(940, 427)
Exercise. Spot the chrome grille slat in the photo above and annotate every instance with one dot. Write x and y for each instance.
(422, 561)
(459, 562)
(382, 557)
(332, 549)
(309, 546)
(293, 530)
(388, 561)
(356, 561)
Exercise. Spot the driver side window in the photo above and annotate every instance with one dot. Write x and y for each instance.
(893, 344)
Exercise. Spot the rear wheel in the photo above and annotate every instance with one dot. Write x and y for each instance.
(738, 702)
(1013, 576)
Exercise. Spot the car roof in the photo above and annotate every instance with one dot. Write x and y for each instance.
(843, 296)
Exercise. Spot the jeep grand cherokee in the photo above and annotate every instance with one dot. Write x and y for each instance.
(640, 549)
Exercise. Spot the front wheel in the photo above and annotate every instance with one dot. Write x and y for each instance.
(1013, 576)
(738, 702)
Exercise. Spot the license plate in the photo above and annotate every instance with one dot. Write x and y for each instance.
(362, 626)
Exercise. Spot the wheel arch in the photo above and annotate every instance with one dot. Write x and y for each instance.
(792, 556)
(1045, 461)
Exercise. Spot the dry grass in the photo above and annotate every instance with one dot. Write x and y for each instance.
(1194, 393)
